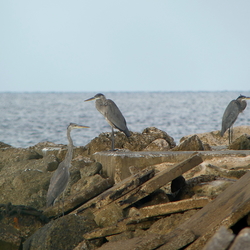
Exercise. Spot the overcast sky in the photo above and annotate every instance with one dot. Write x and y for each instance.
(124, 45)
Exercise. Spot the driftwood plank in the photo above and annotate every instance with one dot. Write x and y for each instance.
(167, 208)
(159, 180)
(226, 209)
(143, 214)
(117, 191)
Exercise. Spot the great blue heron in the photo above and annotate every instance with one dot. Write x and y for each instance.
(231, 113)
(112, 114)
(60, 177)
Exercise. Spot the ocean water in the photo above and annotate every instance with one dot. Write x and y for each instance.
(30, 118)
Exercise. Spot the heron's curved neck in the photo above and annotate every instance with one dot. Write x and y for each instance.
(69, 154)
(242, 105)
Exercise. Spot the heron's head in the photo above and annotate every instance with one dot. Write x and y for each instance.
(75, 126)
(242, 97)
(97, 96)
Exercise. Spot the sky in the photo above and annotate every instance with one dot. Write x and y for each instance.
(98, 46)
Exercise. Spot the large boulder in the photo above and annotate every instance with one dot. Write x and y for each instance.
(192, 143)
(150, 139)
(26, 172)
(63, 233)
(17, 224)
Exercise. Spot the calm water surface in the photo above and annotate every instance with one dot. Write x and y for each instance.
(30, 118)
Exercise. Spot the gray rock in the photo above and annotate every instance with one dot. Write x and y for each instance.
(136, 142)
(241, 143)
(192, 143)
(9, 237)
(4, 145)
(91, 170)
(63, 233)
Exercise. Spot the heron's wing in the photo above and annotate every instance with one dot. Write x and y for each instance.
(114, 116)
(230, 115)
(58, 183)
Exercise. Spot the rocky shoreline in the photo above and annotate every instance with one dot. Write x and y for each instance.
(138, 197)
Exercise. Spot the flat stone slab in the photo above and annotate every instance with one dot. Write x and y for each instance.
(118, 162)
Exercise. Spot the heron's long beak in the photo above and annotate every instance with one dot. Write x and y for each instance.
(90, 99)
(81, 126)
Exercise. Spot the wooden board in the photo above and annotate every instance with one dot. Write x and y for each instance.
(228, 208)
(159, 180)
(117, 191)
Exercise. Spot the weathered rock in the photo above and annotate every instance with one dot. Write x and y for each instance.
(158, 145)
(136, 142)
(157, 133)
(47, 148)
(192, 143)
(9, 237)
(89, 244)
(93, 169)
(109, 215)
(230, 165)
(204, 186)
(82, 191)
(214, 139)
(25, 179)
(4, 145)
(79, 151)
(241, 143)
(242, 241)
(213, 188)
(63, 233)
(30, 187)
(227, 173)
(51, 162)
(221, 240)
(18, 223)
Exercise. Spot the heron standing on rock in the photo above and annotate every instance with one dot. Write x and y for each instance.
(112, 114)
(60, 177)
(231, 114)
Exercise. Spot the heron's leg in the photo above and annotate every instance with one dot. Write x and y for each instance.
(232, 134)
(63, 204)
(112, 140)
(229, 136)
